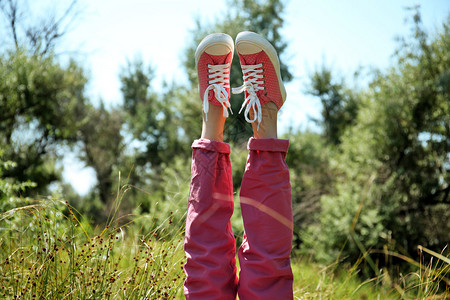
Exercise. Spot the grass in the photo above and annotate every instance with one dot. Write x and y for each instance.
(312, 281)
(48, 251)
(430, 280)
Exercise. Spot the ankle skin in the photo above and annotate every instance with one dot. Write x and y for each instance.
(268, 127)
(212, 128)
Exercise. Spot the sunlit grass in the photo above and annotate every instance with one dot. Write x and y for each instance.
(428, 281)
(48, 253)
(313, 281)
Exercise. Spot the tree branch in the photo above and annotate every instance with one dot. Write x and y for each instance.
(11, 12)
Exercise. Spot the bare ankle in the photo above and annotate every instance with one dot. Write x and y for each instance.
(268, 126)
(213, 124)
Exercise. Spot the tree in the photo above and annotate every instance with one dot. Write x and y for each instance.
(311, 176)
(102, 145)
(43, 105)
(39, 98)
(39, 102)
(393, 164)
(151, 118)
(9, 187)
(160, 128)
(38, 35)
(339, 104)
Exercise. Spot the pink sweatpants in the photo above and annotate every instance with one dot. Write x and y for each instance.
(266, 207)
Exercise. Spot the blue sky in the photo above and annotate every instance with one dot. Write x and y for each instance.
(344, 34)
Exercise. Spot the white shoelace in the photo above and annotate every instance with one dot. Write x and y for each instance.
(252, 83)
(219, 83)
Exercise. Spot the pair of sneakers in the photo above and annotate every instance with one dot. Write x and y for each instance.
(260, 67)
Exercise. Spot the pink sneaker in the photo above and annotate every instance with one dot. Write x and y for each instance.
(213, 60)
(262, 76)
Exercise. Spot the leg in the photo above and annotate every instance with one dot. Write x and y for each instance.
(266, 207)
(209, 241)
(265, 191)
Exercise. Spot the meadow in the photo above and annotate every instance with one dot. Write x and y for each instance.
(50, 251)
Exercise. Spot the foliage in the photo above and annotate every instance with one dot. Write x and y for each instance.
(151, 118)
(43, 108)
(39, 104)
(9, 187)
(46, 251)
(162, 126)
(339, 104)
(167, 206)
(102, 145)
(392, 166)
(311, 178)
(342, 281)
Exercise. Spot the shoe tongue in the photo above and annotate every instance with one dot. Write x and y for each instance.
(250, 59)
(221, 59)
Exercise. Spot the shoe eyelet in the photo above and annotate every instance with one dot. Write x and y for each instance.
(265, 94)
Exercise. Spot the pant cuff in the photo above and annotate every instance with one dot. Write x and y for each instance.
(271, 145)
(210, 145)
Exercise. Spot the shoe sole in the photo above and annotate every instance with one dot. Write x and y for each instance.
(247, 41)
(218, 44)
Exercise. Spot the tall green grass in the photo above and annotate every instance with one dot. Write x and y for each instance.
(49, 251)
(339, 281)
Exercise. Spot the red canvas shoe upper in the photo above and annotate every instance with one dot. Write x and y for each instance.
(214, 80)
(262, 79)
(268, 88)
